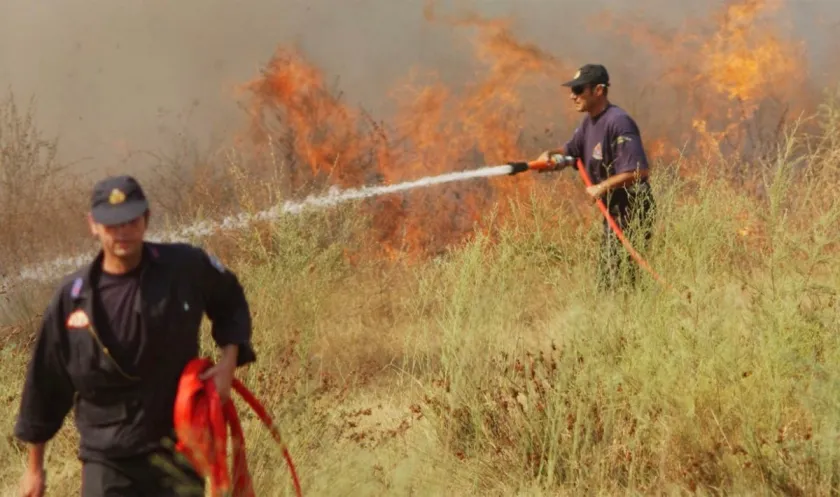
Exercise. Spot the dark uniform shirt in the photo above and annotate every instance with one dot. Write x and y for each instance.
(609, 144)
(121, 328)
(118, 366)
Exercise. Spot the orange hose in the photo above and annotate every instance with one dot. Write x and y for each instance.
(548, 165)
(619, 233)
(201, 421)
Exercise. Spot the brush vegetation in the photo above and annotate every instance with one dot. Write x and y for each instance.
(498, 368)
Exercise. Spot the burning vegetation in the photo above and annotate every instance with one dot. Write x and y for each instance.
(729, 81)
(735, 76)
(499, 369)
(435, 131)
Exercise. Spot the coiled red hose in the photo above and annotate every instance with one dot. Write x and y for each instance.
(201, 421)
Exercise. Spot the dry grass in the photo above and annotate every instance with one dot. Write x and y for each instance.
(497, 368)
(37, 193)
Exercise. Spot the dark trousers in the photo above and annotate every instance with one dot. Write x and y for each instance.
(154, 475)
(634, 213)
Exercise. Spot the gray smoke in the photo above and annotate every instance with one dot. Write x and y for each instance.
(111, 74)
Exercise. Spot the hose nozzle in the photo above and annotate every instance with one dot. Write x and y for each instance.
(555, 162)
(518, 167)
(561, 161)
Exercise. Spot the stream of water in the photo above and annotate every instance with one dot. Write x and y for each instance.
(57, 267)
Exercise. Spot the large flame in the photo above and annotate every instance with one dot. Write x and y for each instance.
(723, 69)
(720, 70)
(435, 131)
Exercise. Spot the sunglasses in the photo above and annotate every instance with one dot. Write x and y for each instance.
(579, 89)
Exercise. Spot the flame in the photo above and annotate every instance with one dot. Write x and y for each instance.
(719, 72)
(743, 59)
(724, 68)
(435, 131)
(317, 129)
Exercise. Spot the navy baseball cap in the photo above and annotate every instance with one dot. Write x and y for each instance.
(590, 74)
(117, 200)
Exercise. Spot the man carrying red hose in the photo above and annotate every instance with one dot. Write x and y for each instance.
(113, 344)
(610, 146)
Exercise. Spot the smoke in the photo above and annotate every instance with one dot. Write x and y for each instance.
(113, 76)
(109, 78)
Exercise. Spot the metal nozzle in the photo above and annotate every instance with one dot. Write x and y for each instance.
(518, 167)
(563, 160)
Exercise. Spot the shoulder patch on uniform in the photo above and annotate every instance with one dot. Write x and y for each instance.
(76, 289)
(622, 139)
(216, 263)
(77, 320)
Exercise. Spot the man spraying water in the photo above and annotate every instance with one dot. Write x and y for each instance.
(608, 142)
(610, 146)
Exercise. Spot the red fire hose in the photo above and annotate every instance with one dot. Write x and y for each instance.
(201, 422)
(619, 233)
(537, 165)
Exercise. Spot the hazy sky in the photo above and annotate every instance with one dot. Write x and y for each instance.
(106, 72)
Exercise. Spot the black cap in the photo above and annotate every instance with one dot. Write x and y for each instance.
(590, 74)
(117, 200)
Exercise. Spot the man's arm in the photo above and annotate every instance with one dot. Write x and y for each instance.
(36, 455)
(48, 390)
(573, 147)
(618, 181)
(630, 161)
(33, 483)
(228, 310)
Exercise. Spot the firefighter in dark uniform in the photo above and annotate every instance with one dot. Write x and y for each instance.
(609, 144)
(112, 345)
